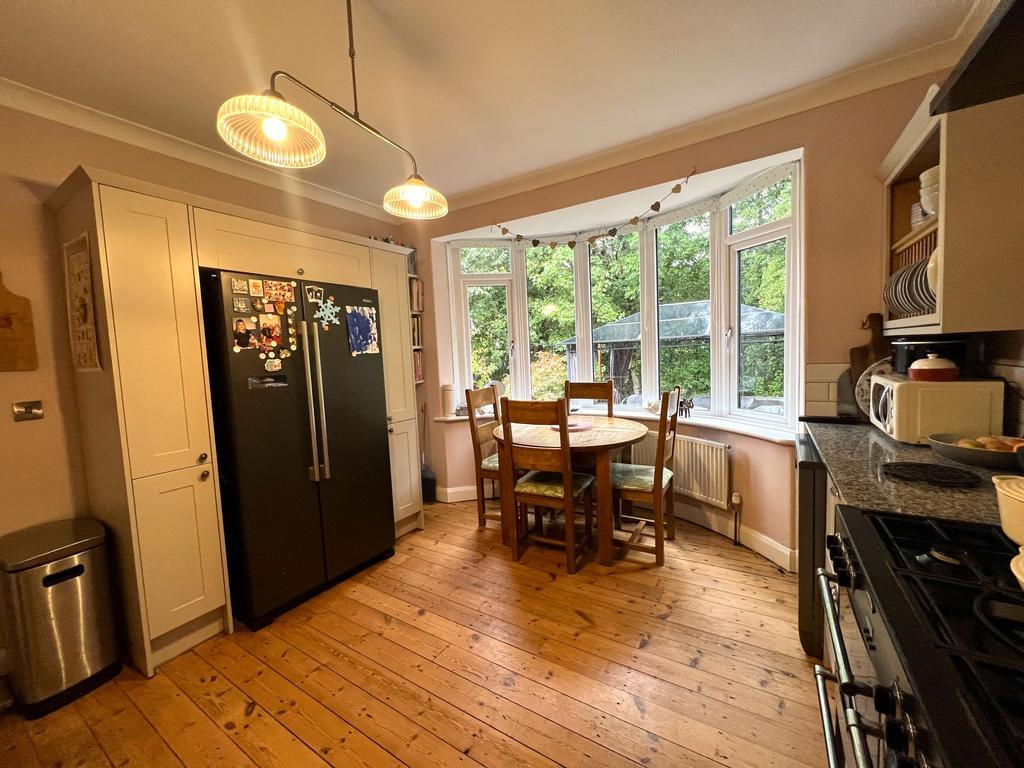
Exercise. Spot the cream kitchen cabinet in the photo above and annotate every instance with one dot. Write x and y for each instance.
(178, 530)
(145, 417)
(391, 281)
(152, 286)
(243, 245)
(405, 474)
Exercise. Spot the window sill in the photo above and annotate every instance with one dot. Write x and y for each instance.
(779, 435)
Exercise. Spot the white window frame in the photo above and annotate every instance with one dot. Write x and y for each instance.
(724, 302)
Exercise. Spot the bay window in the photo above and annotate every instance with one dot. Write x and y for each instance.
(702, 297)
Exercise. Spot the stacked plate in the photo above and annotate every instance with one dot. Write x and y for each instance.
(930, 190)
(907, 291)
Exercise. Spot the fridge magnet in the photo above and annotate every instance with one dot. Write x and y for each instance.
(362, 330)
(328, 314)
(278, 290)
(244, 332)
(293, 347)
(241, 304)
(279, 307)
(256, 288)
(272, 365)
(239, 285)
(85, 354)
(314, 294)
(263, 355)
(17, 334)
(294, 284)
(285, 353)
(257, 304)
(270, 329)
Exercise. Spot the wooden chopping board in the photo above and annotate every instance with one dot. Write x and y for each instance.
(17, 334)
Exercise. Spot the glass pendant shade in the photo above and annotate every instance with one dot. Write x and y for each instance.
(415, 199)
(267, 128)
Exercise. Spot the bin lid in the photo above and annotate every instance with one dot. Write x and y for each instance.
(48, 542)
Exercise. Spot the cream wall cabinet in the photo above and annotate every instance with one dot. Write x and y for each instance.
(977, 231)
(179, 543)
(155, 314)
(243, 245)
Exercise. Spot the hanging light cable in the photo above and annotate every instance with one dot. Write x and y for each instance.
(268, 129)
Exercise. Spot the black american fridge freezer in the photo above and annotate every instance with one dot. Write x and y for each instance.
(301, 430)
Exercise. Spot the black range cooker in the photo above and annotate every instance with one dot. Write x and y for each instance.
(924, 644)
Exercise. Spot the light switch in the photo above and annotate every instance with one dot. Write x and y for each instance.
(27, 410)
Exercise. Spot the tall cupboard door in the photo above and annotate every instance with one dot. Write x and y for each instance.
(152, 288)
(391, 280)
(405, 468)
(179, 542)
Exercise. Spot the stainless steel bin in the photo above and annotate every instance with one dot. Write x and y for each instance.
(57, 612)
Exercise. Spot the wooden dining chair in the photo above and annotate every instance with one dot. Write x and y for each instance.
(485, 447)
(590, 390)
(549, 482)
(653, 485)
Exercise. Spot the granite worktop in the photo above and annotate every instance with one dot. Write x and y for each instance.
(854, 454)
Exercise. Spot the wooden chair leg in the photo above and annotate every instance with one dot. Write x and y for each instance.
(481, 504)
(626, 508)
(588, 506)
(670, 513)
(659, 532)
(570, 539)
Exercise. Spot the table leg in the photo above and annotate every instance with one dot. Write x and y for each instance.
(603, 470)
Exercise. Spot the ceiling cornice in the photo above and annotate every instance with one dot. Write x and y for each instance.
(932, 58)
(46, 105)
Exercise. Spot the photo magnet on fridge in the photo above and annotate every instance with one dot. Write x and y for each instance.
(256, 288)
(363, 338)
(270, 330)
(244, 333)
(278, 290)
(239, 285)
(242, 304)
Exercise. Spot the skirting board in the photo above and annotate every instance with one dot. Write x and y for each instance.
(722, 522)
(459, 493)
(413, 522)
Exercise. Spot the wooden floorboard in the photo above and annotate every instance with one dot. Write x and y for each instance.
(452, 654)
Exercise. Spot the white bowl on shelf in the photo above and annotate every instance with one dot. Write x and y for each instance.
(931, 176)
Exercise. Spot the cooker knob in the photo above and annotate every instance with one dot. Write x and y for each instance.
(832, 540)
(885, 701)
(835, 552)
(896, 735)
(843, 578)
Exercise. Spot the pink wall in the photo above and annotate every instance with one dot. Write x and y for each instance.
(40, 461)
(844, 144)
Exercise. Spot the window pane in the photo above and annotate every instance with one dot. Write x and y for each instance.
(477, 260)
(488, 334)
(769, 204)
(551, 312)
(684, 307)
(762, 293)
(615, 314)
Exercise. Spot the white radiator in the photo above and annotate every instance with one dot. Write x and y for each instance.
(700, 467)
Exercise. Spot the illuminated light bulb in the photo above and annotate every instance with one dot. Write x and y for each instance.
(414, 195)
(274, 129)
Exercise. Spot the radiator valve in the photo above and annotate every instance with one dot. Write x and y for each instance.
(736, 499)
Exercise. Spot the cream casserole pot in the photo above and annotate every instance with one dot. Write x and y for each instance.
(1010, 494)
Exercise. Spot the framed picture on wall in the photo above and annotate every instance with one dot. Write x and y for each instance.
(85, 355)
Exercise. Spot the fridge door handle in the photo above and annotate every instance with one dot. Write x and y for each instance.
(320, 395)
(309, 400)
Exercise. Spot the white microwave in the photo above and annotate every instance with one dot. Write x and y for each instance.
(909, 411)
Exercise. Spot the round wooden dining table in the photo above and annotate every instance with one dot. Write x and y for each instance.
(600, 437)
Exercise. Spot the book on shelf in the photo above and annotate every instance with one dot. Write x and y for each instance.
(415, 294)
(417, 364)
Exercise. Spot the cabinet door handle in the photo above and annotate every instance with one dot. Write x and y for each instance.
(391, 430)
(202, 457)
(204, 475)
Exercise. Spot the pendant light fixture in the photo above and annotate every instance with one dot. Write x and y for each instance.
(268, 129)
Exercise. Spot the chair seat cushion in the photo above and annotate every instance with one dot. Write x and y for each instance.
(550, 484)
(637, 477)
(490, 463)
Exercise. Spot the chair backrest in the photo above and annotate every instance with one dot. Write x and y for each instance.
(482, 427)
(526, 457)
(667, 423)
(590, 390)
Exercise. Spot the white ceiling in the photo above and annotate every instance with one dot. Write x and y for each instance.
(479, 90)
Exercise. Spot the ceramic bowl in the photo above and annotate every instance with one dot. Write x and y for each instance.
(1017, 566)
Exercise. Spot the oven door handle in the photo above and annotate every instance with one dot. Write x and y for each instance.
(847, 682)
(821, 678)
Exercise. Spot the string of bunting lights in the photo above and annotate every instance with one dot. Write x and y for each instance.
(612, 231)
